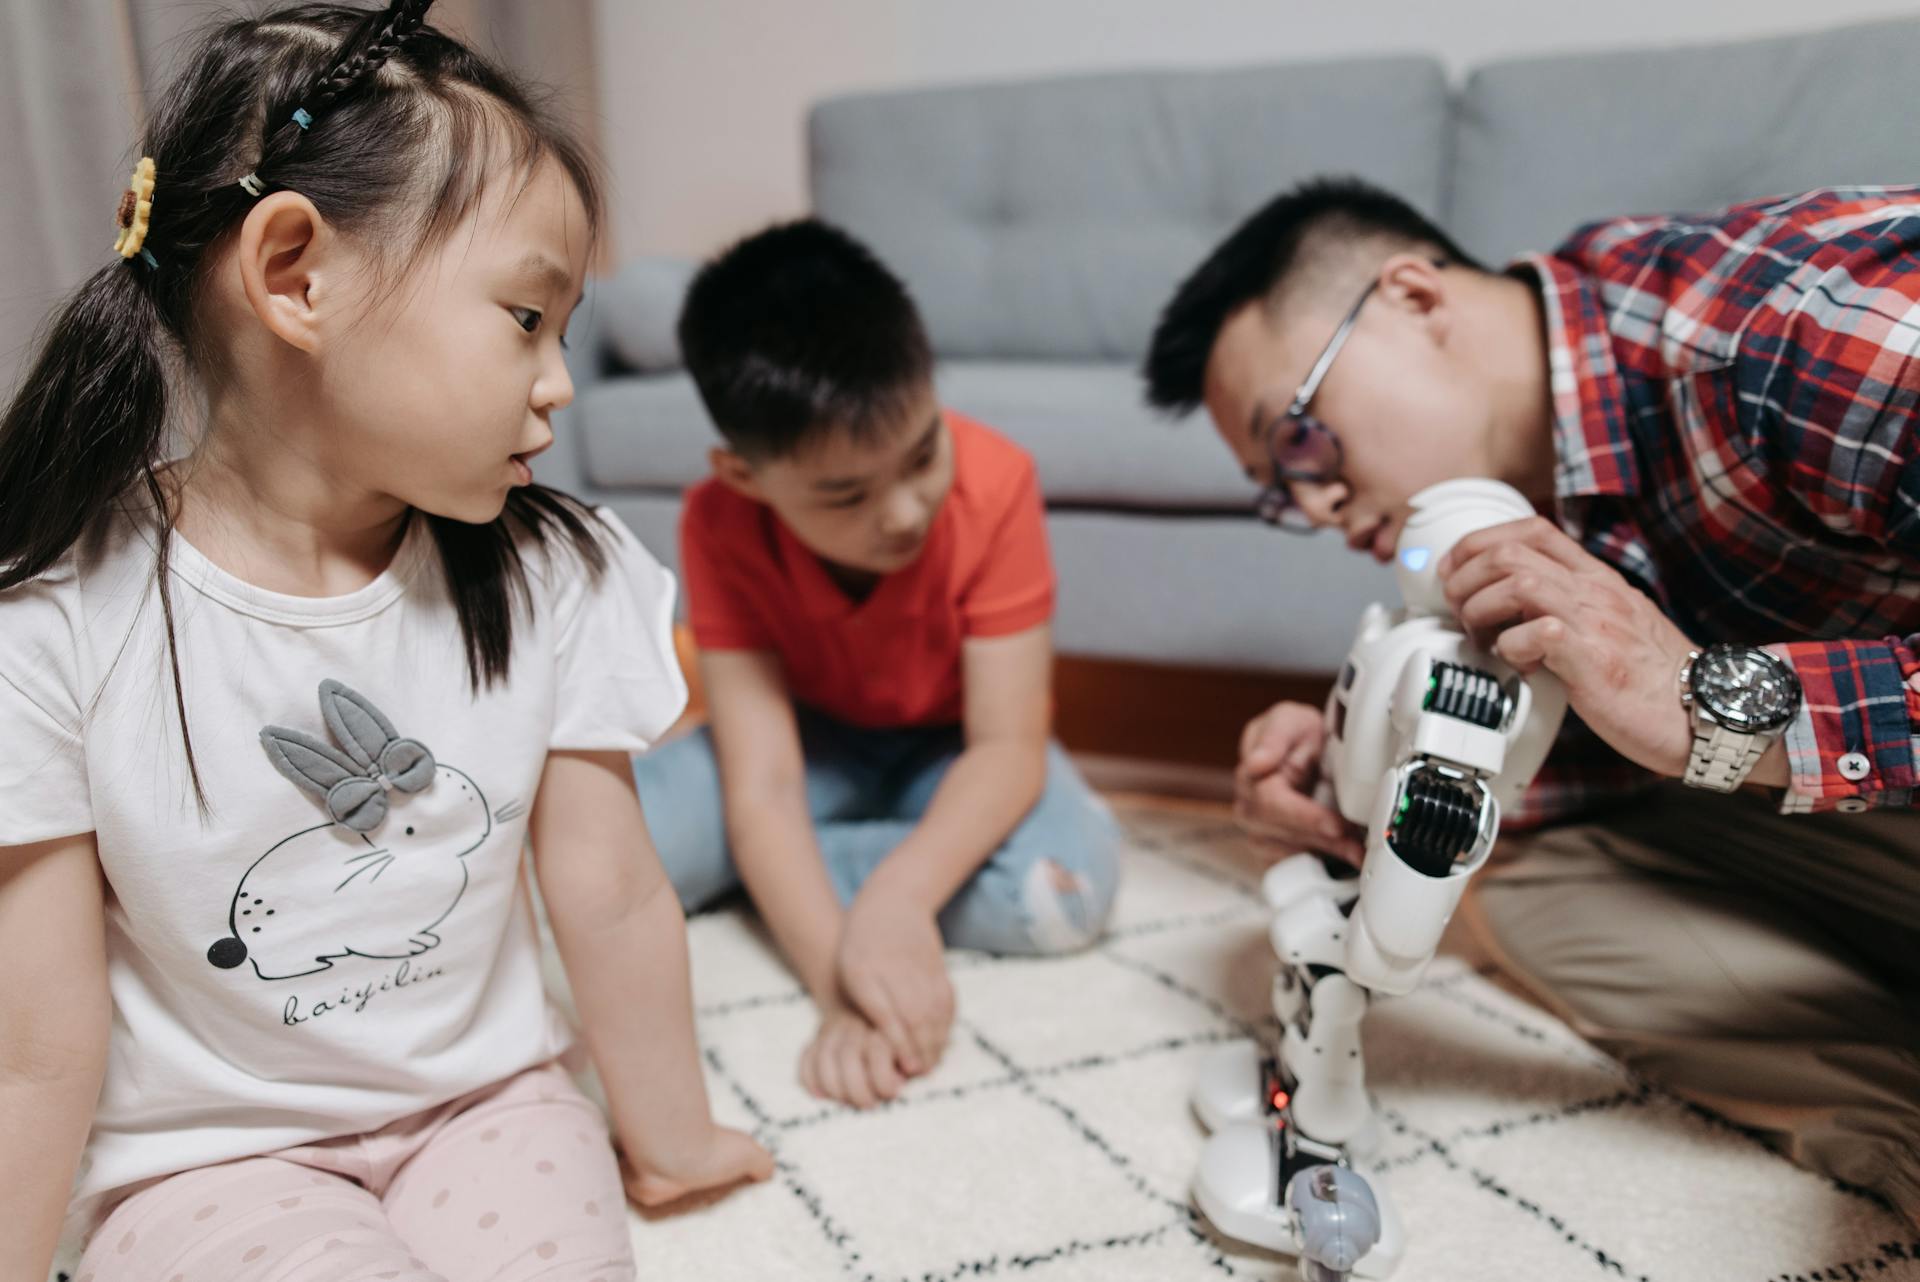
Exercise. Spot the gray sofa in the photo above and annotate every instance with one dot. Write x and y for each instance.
(1041, 225)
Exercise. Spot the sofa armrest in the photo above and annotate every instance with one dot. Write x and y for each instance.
(624, 325)
(638, 310)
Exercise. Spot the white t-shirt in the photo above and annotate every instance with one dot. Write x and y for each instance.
(345, 938)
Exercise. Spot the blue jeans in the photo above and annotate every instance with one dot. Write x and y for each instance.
(1047, 889)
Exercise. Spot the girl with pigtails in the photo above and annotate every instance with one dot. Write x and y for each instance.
(294, 660)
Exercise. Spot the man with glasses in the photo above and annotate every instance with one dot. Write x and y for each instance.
(1715, 417)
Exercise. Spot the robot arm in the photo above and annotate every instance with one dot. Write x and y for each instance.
(1428, 737)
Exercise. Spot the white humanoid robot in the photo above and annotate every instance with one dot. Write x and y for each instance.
(1427, 737)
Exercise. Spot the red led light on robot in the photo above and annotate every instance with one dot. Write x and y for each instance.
(1279, 1100)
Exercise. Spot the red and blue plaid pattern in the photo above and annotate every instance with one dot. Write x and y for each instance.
(1735, 398)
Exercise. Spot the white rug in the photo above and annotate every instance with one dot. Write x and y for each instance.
(1055, 1142)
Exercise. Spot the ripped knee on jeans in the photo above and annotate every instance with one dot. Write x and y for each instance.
(1061, 908)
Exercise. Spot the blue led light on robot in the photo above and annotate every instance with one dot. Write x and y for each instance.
(1414, 559)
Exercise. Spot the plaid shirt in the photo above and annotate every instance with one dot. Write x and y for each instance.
(1735, 397)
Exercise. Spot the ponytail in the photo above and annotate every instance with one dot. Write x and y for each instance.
(88, 421)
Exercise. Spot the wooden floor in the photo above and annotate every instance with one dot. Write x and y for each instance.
(1153, 712)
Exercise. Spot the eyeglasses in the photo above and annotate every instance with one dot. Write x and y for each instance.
(1300, 446)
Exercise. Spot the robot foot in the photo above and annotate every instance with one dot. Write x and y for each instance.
(1231, 1087)
(1336, 1221)
(1330, 1217)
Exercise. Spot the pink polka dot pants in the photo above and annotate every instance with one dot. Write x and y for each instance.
(512, 1183)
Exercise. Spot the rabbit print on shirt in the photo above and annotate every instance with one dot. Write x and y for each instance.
(379, 879)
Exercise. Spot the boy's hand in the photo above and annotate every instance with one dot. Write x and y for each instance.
(892, 967)
(730, 1157)
(1273, 788)
(848, 1060)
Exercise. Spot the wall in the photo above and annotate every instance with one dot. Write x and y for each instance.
(704, 100)
(700, 103)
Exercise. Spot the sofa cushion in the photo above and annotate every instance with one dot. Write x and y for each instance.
(1095, 443)
(1216, 590)
(1546, 144)
(1052, 219)
(644, 431)
(640, 311)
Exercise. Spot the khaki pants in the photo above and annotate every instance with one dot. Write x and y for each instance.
(1766, 966)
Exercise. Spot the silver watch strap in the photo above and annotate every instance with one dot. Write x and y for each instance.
(1723, 758)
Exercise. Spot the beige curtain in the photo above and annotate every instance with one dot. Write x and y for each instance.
(72, 75)
(69, 96)
(549, 40)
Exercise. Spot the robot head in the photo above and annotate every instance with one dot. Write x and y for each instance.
(1444, 514)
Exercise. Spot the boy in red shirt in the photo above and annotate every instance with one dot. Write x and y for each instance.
(868, 583)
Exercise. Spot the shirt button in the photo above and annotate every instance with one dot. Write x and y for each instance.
(1851, 806)
(1854, 767)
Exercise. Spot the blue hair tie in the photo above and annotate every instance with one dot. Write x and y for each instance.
(301, 117)
(147, 255)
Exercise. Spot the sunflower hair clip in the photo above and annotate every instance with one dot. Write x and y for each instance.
(136, 211)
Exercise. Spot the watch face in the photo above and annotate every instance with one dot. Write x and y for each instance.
(1745, 689)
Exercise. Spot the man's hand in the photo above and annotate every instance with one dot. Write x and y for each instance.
(892, 968)
(1273, 788)
(848, 1060)
(1539, 600)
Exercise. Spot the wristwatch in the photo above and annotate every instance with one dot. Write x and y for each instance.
(1742, 699)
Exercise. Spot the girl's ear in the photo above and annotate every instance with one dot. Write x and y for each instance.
(735, 473)
(291, 268)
